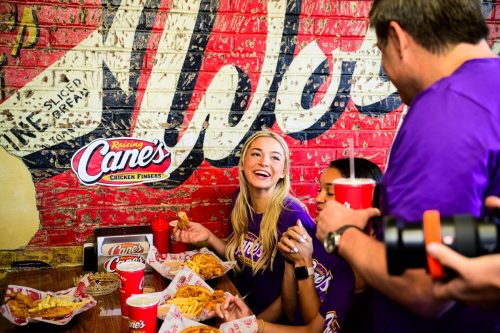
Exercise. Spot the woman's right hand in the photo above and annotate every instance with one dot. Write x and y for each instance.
(194, 233)
(232, 308)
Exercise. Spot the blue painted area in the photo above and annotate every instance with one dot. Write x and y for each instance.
(488, 7)
(388, 104)
(336, 108)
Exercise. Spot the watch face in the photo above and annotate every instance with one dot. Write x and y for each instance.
(301, 273)
(330, 242)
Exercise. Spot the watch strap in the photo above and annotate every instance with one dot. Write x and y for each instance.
(341, 230)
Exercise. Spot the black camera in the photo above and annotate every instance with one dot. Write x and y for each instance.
(405, 242)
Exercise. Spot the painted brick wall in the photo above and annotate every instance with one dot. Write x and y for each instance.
(201, 75)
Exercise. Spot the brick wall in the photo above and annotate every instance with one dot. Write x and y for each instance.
(199, 75)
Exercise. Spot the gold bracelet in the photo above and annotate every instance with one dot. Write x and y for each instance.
(263, 325)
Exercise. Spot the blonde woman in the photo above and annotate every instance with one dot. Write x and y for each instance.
(262, 210)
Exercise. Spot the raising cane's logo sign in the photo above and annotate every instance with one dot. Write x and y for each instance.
(125, 248)
(110, 265)
(121, 162)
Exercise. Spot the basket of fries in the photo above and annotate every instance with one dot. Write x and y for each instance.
(203, 262)
(23, 305)
(176, 322)
(194, 298)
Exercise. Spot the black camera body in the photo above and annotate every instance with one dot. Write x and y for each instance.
(405, 242)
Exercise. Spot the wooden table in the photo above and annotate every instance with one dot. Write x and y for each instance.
(104, 317)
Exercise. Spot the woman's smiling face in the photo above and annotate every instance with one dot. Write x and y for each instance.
(326, 191)
(264, 164)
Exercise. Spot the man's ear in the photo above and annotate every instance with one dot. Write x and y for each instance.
(399, 37)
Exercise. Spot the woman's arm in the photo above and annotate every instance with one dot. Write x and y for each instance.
(273, 313)
(289, 292)
(297, 239)
(234, 308)
(196, 233)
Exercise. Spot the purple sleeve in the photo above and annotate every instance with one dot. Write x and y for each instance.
(293, 212)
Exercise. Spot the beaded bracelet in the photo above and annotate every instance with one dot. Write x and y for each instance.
(263, 325)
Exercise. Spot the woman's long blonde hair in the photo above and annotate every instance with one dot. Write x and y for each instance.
(268, 235)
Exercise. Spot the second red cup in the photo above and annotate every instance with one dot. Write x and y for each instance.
(354, 193)
(142, 312)
(131, 275)
(176, 246)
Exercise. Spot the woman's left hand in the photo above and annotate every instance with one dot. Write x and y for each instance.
(296, 245)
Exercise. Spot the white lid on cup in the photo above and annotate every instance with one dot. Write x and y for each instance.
(130, 266)
(142, 300)
(354, 182)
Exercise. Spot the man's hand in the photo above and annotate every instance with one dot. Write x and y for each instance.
(232, 308)
(478, 280)
(334, 215)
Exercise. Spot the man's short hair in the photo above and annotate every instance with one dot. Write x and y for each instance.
(434, 24)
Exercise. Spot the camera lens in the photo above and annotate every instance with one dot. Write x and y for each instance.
(405, 241)
(404, 244)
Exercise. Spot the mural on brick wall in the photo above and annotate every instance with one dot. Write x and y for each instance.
(197, 76)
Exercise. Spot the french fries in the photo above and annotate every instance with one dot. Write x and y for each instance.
(193, 299)
(193, 305)
(205, 265)
(191, 264)
(50, 302)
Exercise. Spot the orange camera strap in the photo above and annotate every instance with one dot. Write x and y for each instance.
(432, 233)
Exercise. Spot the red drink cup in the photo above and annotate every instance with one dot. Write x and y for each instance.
(176, 246)
(142, 311)
(354, 193)
(131, 275)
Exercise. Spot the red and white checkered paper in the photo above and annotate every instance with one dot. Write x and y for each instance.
(77, 292)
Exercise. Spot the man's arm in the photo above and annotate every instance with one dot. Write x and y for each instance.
(413, 289)
(477, 281)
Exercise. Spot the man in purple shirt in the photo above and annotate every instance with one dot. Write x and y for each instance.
(446, 155)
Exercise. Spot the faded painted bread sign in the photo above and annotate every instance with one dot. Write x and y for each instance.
(121, 162)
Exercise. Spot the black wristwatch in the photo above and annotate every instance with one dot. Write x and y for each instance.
(332, 238)
(303, 272)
